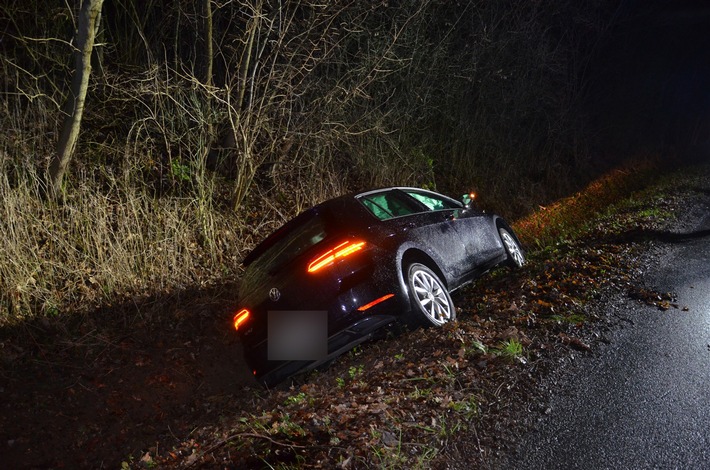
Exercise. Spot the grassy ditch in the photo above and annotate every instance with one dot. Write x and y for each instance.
(160, 381)
(110, 240)
(458, 393)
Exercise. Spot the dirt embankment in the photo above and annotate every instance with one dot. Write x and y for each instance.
(162, 382)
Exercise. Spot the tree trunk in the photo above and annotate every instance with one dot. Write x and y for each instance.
(74, 107)
(208, 42)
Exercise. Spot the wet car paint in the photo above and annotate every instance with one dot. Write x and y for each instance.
(458, 243)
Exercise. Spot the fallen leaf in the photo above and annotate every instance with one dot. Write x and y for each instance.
(574, 342)
(389, 439)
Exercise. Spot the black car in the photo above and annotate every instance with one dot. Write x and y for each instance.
(337, 273)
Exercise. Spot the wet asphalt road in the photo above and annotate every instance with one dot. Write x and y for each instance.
(643, 400)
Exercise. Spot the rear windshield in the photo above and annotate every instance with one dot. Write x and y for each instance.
(289, 242)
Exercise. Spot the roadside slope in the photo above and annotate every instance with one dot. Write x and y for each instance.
(163, 383)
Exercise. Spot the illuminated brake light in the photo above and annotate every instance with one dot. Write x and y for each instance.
(375, 302)
(240, 318)
(341, 251)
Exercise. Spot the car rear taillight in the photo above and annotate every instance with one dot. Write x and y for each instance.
(240, 318)
(343, 250)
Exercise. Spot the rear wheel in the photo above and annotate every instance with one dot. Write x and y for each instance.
(430, 298)
(516, 258)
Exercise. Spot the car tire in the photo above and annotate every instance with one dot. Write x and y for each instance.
(516, 257)
(431, 302)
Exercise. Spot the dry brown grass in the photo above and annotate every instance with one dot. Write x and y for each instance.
(177, 175)
(97, 247)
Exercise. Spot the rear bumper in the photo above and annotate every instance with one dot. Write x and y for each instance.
(353, 317)
(338, 344)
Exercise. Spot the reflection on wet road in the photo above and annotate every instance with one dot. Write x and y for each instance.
(643, 401)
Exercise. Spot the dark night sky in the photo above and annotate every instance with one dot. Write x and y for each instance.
(651, 81)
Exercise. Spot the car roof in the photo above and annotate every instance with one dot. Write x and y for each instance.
(401, 188)
(405, 189)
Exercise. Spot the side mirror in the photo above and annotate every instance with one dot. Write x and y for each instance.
(467, 200)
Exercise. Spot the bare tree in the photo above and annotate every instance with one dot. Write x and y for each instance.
(209, 53)
(88, 24)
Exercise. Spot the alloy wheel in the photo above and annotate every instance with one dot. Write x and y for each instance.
(431, 296)
(511, 246)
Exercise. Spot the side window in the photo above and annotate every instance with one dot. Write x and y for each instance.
(377, 210)
(389, 204)
(433, 202)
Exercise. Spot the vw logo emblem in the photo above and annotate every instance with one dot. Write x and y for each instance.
(274, 294)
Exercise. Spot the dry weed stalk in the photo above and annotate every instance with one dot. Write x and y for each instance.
(191, 159)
